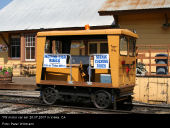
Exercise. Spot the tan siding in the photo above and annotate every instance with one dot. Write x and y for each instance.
(150, 29)
(152, 90)
(148, 26)
(6, 62)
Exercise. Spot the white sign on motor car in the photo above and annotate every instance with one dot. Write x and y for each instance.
(55, 61)
(101, 61)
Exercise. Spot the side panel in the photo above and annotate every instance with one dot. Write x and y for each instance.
(152, 90)
(127, 78)
(62, 74)
(40, 55)
(113, 44)
(98, 72)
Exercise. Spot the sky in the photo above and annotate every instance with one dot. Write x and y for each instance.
(3, 3)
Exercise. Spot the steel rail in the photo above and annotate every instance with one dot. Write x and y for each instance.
(75, 108)
(135, 104)
(151, 105)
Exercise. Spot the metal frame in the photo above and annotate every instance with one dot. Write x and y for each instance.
(70, 82)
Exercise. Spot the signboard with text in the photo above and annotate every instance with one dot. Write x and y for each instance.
(55, 61)
(101, 61)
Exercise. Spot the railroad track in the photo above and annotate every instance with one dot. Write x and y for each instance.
(33, 104)
(152, 108)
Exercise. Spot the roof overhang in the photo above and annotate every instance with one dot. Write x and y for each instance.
(134, 11)
(24, 15)
(58, 29)
(89, 32)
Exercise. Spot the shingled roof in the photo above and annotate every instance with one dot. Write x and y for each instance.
(47, 14)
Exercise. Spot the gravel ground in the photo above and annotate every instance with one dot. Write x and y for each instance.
(7, 108)
(20, 93)
(12, 108)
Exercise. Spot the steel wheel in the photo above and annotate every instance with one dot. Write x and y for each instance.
(102, 99)
(49, 95)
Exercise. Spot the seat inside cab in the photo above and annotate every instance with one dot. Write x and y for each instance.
(80, 49)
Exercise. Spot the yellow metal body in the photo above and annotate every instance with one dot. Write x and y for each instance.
(60, 76)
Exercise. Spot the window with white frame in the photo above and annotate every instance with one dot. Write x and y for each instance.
(30, 47)
(15, 46)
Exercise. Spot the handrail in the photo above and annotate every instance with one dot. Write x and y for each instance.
(90, 67)
(67, 66)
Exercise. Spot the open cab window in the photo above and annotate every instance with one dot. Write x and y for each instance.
(76, 47)
(93, 48)
(53, 46)
(104, 48)
(124, 46)
(98, 47)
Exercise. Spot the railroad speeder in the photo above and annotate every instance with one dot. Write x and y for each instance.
(81, 64)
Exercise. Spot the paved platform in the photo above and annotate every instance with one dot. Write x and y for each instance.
(24, 80)
(20, 83)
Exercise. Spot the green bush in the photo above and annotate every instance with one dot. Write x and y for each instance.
(6, 71)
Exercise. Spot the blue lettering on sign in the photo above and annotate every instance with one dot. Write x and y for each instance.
(101, 61)
(61, 66)
(101, 65)
(101, 56)
(54, 65)
(46, 65)
(46, 56)
(54, 60)
(62, 56)
(55, 56)
(51, 60)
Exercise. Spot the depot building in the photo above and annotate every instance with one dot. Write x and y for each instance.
(22, 20)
